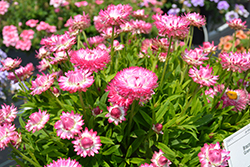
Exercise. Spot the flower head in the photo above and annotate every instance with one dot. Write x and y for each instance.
(237, 24)
(231, 15)
(42, 83)
(157, 128)
(23, 73)
(160, 160)
(87, 143)
(203, 76)
(4, 7)
(213, 156)
(194, 57)
(78, 80)
(37, 121)
(96, 111)
(79, 22)
(195, 19)
(146, 165)
(9, 63)
(116, 114)
(31, 22)
(223, 5)
(69, 125)
(7, 113)
(7, 134)
(139, 14)
(208, 47)
(64, 162)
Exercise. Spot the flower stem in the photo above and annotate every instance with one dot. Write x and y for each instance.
(83, 107)
(191, 36)
(58, 101)
(47, 133)
(131, 115)
(85, 38)
(79, 42)
(24, 156)
(112, 47)
(233, 42)
(242, 83)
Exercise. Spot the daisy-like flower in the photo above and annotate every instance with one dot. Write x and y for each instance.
(9, 64)
(203, 76)
(78, 80)
(146, 165)
(7, 113)
(237, 98)
(159, 160)
(87, 143)
(59, 57)
(107, 32)
(139, 14)
(115, 15)
(7, 134)
(213, 156)
(69, 125)
(136, 83)
(194, 57)
(195, 19)
(16, 139)
(43, 65)
(43, 52)
(172, 26)
(157, 128)
(94, 60)
(95, 40)
(161, 45)
(79, 22)
(116, 114)
(140, 27)
(117, 46)
(208, 47)
(42, 83)
(64, 162)
(23, 73)
(236, 62)
(146, 44)
(237, 24)
(37, 121)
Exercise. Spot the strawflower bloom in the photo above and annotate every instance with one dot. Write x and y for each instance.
(43, 52)
(87, 143)
(43, 65)
(64, 162)
(57, 3)
(146, 165)
(9, 63)
(107, 32)
(7, 113)
(140, 27)
(4, 7)
(116, 114)
(208, 47)
(78, 80)
(69, 125)
(96, 40)
(194, 57)
(42, 83)
(195, 19)
(237, 24)
(59, 57)
(79, 22)
(159, 160)
(139, 14)
(96, 111)
(157, 128)
(203, 76)
(37, 121)
(213, 156)
(7, 134)
(94, 60)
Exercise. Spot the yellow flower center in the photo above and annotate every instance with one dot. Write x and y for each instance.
(232, 95)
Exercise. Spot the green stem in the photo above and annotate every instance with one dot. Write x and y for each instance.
(191, 36)
(233, 42)
(47, 133)
(79, 42)
(166, 62)
(242, 83)
(83, 107)
(112, 48)
(21, 84)
(24, 156)
(71, 65)
(131, 115)
(57, 100)
(85, 38)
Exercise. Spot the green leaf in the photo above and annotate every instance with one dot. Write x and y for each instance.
(104, 97)
(146, 117)
(49, 149)
(111, 150)
(106, 140)
(169, 153)
(129, 152)
(21, 122)
(136, 160)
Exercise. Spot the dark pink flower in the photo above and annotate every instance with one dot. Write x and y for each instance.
(27, 34)
(237, 24)
(9, 63)
(116, 114)
(32, 22)
(4, 7)
(159, 160)
(7, 113)
(23, 73)
(42, 83)
(7, 134)
(64, 163)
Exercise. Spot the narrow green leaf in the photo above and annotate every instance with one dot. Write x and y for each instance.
(21, 122)
(146, 117)
(129, 152)
(136, 160)
(169, 153)
(111, 150)
(106, 140)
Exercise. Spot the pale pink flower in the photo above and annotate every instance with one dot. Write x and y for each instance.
(194, 57)
(87, 143)
(78, 80)
(93, 60)
(126, 27)
(211, 93)
(95, 40)
(195, 19)
(7, 113)
(139, 14)
(96, 111)
(42, 26)
(23, 44)
(10, 35)
(42, 83)
(208, 47)
(22, 73)
(64, 163)
(43, 65)
(79, 22)
(99, 2)
(140, 27)
(203, 76)
(69, 125)
(10, 64)
(37, 121)
(162, 57)
(116, 114)
(16, 139)
(159, 160)
(27, 34)
(57, 3)
(82, 3)
(103, 47)
(4, 7)
(43, 52)
(213, 156)
(107, 32)
(32, 22)
(117, 46)
(59, 57)
(146, 44)
(147, 165)
(51, 29)
(237, 24)
(157, 128)
(7, 134)
(172, 26)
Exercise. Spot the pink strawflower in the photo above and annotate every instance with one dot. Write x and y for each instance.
(126, 27)
(208, 47)
(10, 64)
(59, 57)
(27, 34)
(103, 47)
(23, 44)
(195, 19)
(32, 22)
(117, 46)
(37, 120)
(96, 111)
(23, 73)
(237, 24)
(64, 163)
(4, 7)
(42, 26)
(94, 60)
(159, 160)
(157, 128)
(203, 76)
(82, 3)
(115, 15)
(7, 113)
(237, 98)
(161, 45)
(96, 40)
(116, 114)
(107, 32)
(87, 143)
(211, 93)
(147, 165)
(57, 3)
(79, 22)
(78, 80)
(58, 42)
(16, 139)
(213, 156)
(42, 83)
(135, 83)
(236, 62)
(7, 134)
(43, 65)
(43, 52)
(140, 27)
(10, 35)
(146, 44)
(172, 26)
(194, 57)
(69, 125)
(55, 91)
(139, 14)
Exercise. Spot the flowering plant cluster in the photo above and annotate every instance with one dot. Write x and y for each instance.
(123, 99)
